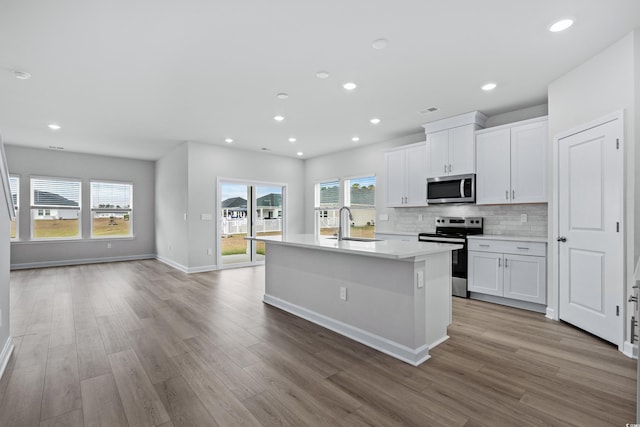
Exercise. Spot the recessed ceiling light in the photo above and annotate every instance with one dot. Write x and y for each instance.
(322, 74)
(299, 153)
(278, 118)
(53, 126)
(349, 86)
(375, 121)
(489, 86)
(561, 25)
(355, 139)
(282, 95)
(21, 75)
(380, 44)
(292, 140)
(228, 140)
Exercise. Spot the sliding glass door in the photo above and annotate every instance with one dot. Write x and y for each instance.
(247, 209)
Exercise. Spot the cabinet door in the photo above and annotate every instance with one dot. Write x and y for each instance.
(416, 161)
(485, 273)
(493, 164)
(525, 278)
(396, 176)
(462, 155)
(529, 163)
(438, 153)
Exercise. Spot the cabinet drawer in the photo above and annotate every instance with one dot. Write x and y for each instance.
(508, 246)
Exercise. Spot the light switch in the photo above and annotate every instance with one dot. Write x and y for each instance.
(384, 217)
(206, 217)
(343, 293)
(420, 279)
(523, 218)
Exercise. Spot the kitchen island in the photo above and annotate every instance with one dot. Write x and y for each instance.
(393, 296)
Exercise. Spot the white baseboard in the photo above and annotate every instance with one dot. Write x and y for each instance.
(550, 314)
(173, 264)
(66, 262)
(630, 350)
(202, 269)
(409, 355)
(6, 354)
(525, 305)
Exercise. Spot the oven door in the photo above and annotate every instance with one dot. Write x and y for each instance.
(458, 263)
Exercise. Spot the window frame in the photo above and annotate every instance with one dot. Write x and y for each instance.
(128, 210)
(346, 183)
(344, 199)
(16, 207)
(33, 206)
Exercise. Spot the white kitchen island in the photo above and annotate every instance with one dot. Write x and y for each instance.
(393, 296)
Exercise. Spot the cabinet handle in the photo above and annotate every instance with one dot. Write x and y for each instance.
(449, 167)
(513, 194)
(506, 194)
(445, 169)
(485, 246)
(499, 263)
(506, 262)
(522, 247)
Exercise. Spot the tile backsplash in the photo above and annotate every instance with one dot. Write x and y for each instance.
(498, 219)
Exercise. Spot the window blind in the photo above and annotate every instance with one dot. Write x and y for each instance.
(50, 192)
(110, 196)
(14, 183)
(329, 194)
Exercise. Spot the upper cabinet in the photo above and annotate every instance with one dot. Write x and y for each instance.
(511, 163)
(450, 144)
(406, 176)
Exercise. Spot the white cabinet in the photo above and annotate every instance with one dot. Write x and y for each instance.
(451, 151)
(511, 163)
(509, 269)
(451, 146)
(406, 176)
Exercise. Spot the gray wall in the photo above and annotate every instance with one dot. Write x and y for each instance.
(187, 183)
(172, 199)
(606, 83)
(4, 274)
(27, 162)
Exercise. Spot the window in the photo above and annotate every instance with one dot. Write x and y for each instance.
(55, 208)
(360, 196)
(111, 209)
(14, 183)
(327, 204)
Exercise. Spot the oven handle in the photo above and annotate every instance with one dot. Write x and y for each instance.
(441, 240)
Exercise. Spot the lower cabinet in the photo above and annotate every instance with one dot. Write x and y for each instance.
(509, 269)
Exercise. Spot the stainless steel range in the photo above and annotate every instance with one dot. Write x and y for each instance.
(455, 230)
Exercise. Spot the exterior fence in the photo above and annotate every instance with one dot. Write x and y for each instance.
(239, 226)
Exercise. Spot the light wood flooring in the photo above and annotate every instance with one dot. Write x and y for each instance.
(138, 343)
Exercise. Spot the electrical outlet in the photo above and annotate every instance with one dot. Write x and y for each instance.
(209, 251)
(420, 217)
(0, 318)
(523, 218)
(343, 293)
(169, 247)
(384, 217)
(109, 245)
(420, 279)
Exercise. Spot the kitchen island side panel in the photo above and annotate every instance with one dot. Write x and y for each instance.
(382, 294)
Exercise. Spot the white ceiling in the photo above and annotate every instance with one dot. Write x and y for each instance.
(135, 78)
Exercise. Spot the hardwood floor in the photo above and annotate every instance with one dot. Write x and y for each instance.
(138, 343)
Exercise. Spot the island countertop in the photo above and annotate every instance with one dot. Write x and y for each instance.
(391, 249)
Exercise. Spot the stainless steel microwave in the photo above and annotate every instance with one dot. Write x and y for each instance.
(452, 189)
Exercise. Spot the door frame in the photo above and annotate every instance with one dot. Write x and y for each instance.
(553, 311)
(250, 229)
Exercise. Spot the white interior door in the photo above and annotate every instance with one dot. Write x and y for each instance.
(590, 188)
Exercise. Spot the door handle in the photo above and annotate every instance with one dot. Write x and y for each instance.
(561, 239)
(461, 186)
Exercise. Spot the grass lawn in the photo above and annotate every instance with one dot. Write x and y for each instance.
(235, 244)
(60, 228)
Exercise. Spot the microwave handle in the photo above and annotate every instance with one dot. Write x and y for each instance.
(462, 187)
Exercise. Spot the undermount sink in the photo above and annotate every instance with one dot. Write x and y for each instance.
(356, 239)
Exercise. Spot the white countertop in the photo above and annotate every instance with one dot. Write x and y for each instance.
(509, 238)
(400, 233)
(394, 249)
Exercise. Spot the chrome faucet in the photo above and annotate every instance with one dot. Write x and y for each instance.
(340, 232)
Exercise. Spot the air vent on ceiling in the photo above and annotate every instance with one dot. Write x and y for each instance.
(429, 110)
